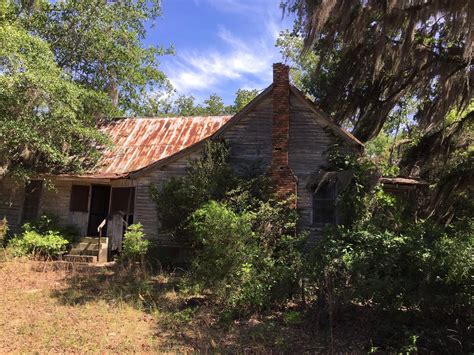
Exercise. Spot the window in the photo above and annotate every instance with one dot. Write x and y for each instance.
(123, 200)
(79, 198)
(324, 204)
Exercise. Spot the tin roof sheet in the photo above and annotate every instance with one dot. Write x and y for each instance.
(139, 142)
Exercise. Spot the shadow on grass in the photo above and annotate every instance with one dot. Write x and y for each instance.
(116, 285)
(195, 323)
(181, 322)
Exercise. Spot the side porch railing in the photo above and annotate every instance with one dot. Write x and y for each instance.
(99, 230)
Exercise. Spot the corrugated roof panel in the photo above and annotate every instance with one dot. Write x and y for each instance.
(139, 142)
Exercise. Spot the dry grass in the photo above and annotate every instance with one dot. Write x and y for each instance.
(33, 319)
(56, 307)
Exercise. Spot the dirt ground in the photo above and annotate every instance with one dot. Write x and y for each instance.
(65, 308)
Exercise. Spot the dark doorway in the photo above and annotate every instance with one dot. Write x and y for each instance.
(32, 200)
(99, 209)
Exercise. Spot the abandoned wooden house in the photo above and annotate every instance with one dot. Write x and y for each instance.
(280, 129)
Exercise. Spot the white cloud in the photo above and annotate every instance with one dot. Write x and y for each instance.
(244, 60)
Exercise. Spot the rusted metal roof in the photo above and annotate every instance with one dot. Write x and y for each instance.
(142, 142)
(139, 142)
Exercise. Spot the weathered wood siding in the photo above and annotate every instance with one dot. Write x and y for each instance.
(11, 203)
(145, 207)
(309, 143)
(250, 139)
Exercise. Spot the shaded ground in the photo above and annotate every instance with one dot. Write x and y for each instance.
(57, 307)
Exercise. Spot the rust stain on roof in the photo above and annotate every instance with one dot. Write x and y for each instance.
(139, 142)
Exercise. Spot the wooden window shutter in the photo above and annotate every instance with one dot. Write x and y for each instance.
(79, 198)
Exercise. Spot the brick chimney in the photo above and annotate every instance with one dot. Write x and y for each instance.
(282, 177)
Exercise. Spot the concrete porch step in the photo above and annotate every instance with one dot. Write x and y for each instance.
(79, 251)
(91, 239)
(79, 258)
(88, 246)
(87, 250)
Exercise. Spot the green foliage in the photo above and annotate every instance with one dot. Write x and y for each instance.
(303, 65)
(384, 256)
(386, 259)
(208, 177)
(222, 234)
(242, 98)
(359, 201)
(135, 246)
(292, 317)
(361, 75)
(66, 64)
(50, 244)
(46, 224)
(46, 120)
(185, 105)
(214, 105)
(100, 44)
(246, 248)
(249, 259)
(43, 237)
(3, 230)
(420, 265)
(380, 150)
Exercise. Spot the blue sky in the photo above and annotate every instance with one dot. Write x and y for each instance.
(221, 45)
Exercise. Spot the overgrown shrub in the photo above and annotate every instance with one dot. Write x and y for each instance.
(422, 267)
(208, 177)
(387, 258)
(49, 223)
(50, 244)
(249, 259)
(135, 246)
(3, 231)
(245, 243)
(43, 237)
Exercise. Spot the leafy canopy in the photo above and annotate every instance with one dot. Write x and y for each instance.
(372, 54)
(185, 105)
(100, 44)
(400, 75)
(46, 120)
(65, 65)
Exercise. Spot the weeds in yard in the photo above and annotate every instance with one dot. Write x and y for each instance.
(115, 285)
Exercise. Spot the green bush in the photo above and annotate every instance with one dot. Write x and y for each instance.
(246, 249)
(207, 178)
(50, 223)
(248, 259)
(3, 231)
(422, 267)
(50, 244)
(135, 246)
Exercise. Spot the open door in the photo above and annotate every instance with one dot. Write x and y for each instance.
(121, 210)
(31, 203)
(99, 209)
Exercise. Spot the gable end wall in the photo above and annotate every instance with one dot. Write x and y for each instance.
(309, 142)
